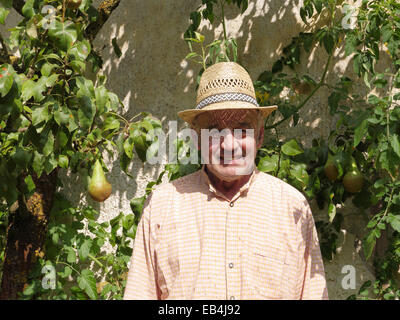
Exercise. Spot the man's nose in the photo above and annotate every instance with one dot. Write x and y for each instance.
(229, 142)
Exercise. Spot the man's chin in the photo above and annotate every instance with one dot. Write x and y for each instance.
(232, 171)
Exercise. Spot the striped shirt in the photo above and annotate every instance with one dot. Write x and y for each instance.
(193, 243)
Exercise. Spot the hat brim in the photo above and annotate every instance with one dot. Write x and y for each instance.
(190, 114)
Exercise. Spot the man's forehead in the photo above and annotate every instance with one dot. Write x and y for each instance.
(227, 118)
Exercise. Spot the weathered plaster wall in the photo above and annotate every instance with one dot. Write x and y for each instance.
(152, 75)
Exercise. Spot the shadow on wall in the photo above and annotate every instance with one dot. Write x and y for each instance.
(152, 75)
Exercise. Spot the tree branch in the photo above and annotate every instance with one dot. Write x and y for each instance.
(105, 9)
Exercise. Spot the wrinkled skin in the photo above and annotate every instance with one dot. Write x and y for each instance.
(236, 153)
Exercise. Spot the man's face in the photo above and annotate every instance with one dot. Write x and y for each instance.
(232, 140)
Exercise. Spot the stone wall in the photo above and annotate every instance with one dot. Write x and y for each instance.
(152, 75)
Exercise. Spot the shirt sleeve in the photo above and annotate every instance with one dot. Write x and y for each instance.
(141, 281)
(311, 263)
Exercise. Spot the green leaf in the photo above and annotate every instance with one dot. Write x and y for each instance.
(331, 208)
(329, 42)
(386, 32)
(191, 55)
(3, 15)
(6, 79)
(369, 244)
(22, 157)
(66, 273)
(298, 171)
(48, 148)
(51, 80)
(137, 206)
(27, 9)
(31, 289)
(71, 257)
(101, 99)
(87, 282)
(394, 221)
(394, 142)
(128, 147)
(62, 138)
(199, 36)
(39, 115)
(364, 288)
(47, 69)
(84, 250)
(128, 221)
(86, 112)
(61, 117)
(111, 124)
(38, 163)
(333, 102)
(113, 101)
(80, 50)
(359, 132)
(63, 161)
(86, 88)
(78, 66)
(30, 184)
(63, 34)
(50, 164)
(291, 148)
(72, 126)
(268, 164)
(366, 80)
(33, 89)
(351, 44)
(140, 146)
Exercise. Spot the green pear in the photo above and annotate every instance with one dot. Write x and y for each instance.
(330, 168)
(353, 180)
(99, 187)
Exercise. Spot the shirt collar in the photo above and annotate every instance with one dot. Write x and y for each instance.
(244, 189)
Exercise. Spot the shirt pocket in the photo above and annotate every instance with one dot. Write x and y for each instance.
(268, 270)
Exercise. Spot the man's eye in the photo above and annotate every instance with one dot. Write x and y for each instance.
(240, 132)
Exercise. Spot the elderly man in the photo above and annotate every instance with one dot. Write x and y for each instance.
(227, 231)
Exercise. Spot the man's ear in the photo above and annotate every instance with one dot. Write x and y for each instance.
(195, 136)
(260, 137)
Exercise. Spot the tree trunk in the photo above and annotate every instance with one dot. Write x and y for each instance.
(26, 235)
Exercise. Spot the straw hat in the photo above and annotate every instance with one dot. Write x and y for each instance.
(225, 85)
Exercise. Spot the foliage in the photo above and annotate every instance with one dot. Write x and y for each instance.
(3, 228)
(83, 270)
(42, 128)
(53, 115)
(365, 143)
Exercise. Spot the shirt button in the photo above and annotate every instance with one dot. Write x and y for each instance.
(232, 298)
(231, 265)
(231, 204)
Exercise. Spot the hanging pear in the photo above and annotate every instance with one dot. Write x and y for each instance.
(99, 187)
(353, 180)
(330, 168)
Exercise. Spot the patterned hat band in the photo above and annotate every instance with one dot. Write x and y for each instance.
(230, 96)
